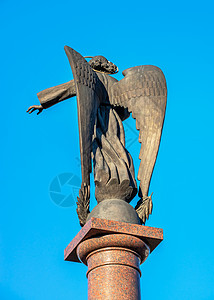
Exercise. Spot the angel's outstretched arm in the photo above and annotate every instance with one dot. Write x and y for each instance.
(53, 95)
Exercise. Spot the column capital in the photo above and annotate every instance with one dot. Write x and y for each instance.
(95, 227)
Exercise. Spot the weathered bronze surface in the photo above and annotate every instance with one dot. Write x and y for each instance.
(103, 103)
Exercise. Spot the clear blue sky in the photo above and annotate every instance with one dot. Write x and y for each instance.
(177, 37)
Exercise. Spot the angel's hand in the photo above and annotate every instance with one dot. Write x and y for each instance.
(35, 107)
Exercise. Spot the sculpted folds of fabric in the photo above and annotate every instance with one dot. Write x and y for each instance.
(103, 104)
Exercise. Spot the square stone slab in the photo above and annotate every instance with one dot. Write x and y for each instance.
(150, 235)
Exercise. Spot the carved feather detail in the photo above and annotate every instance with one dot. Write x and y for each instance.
(144, 208)
(143, 92)
(83, 202)
(89, 91)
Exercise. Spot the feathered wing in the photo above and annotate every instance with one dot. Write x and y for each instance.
(143, 91)
(89, 90)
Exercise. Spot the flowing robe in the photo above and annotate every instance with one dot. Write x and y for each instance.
(113, 166)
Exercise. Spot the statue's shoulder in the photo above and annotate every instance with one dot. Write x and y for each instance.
(107, 80)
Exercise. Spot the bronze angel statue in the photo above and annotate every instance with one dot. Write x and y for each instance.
(103, 104)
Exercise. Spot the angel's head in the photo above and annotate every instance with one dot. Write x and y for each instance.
(101, 64)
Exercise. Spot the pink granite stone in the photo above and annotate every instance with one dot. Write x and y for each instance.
(113, 262)
(94, 227)
(113, 252)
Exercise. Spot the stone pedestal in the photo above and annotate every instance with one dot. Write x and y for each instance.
(113, 252)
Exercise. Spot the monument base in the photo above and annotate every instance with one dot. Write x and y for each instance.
(113, 252)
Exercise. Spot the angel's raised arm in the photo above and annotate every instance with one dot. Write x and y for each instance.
(53, 95)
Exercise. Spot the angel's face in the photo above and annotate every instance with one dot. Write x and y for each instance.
(100, 63)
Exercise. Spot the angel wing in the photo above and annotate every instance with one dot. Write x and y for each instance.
(89, 91)
(143, 91)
